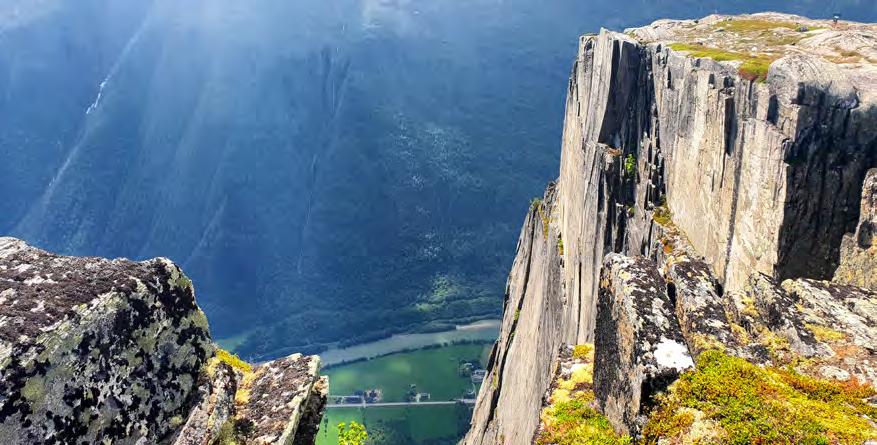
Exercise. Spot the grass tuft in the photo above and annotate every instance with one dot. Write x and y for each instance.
(662, 215)
(572, 417)
(755, 69)
(575, 422)
(825, 334)
(754, 25)
(630, 164)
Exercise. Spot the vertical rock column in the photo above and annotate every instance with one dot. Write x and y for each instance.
(858, 253)
(510, 399)
(639, 347)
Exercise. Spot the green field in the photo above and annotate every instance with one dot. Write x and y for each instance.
(433, 370)
(416, 425)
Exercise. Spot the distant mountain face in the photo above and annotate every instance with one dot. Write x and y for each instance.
(324, 170)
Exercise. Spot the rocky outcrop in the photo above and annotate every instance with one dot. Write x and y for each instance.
(699, 307)
(763, 304)
(858, 258)
(116, 351)
(274, 398)
(731, 151)
(95, 350)
(213, 407)
(843, 319)
(641, 345)
(312, 413)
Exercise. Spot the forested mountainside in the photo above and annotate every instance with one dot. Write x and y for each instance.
(712, 225)
(326, 171)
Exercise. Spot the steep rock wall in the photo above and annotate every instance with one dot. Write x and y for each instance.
(858, 265)
(663, 151)
(510, 399)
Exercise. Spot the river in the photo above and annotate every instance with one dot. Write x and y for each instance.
(484, 330)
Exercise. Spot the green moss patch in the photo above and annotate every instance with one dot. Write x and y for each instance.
(576, 422)
(753, 25)
(571, 418)
(729, 400)
(233, 360)
(752, 68)
(755, 68)
(234, 432)
(662, 215)
(825, 334)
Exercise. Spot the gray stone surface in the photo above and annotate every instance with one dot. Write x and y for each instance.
(93, 350)
(510, 399)
(699, 307)
(858, 266)
(763, 176)
(779, 314)
(116, 351)
(833, 326)
(212, 408)
(639, 347)
(312, 416)
(275, 396)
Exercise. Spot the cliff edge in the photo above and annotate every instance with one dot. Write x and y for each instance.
(116, 351)
(711, 184)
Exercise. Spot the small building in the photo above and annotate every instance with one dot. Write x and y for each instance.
(478, 375)
(373, 395)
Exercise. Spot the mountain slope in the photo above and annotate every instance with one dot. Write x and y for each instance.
(351, 165)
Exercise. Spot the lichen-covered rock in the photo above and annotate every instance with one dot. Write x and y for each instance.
(844, 320)
(213, 406)
(833, 327)
(309, 424)
(116, 351)
(639, 344)
(776, 311)
(699, 308)
(858, 257)
(275, 396)
(93, 350)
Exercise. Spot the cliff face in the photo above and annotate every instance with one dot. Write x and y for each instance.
(858, 262)
(95, 350)
(725, 180)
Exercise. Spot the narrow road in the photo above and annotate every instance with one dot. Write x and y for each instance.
(379, 404)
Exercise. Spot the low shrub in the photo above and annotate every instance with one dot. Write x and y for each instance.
(733, 401)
